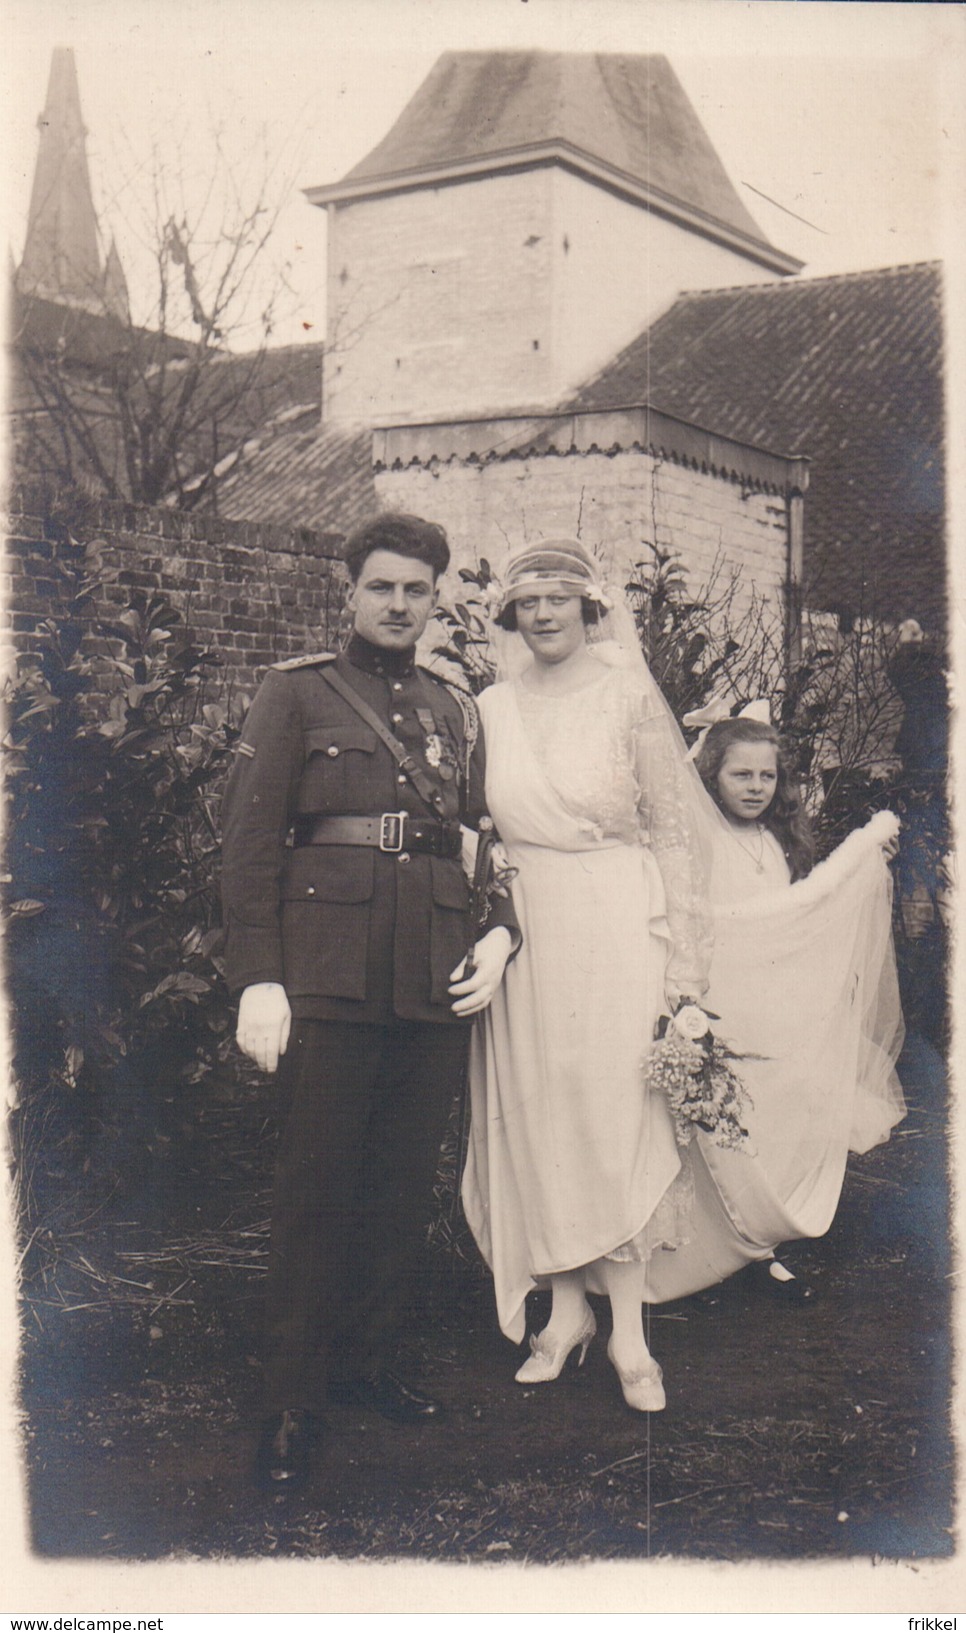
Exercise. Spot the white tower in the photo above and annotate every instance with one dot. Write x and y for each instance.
(528, 214)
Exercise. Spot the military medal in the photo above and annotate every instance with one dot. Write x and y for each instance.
(434, 749)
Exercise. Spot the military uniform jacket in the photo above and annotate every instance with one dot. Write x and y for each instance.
(352, 933)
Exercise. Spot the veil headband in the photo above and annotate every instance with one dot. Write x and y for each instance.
(552, 561)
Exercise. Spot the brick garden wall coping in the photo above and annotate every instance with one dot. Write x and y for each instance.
(252, 593)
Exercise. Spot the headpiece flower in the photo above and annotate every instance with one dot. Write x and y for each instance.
(717, 710)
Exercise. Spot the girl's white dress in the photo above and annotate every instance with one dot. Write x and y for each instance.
(803, 977)
(570, 1159)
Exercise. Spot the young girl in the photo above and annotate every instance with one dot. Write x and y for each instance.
(744, 767)
(807, 976)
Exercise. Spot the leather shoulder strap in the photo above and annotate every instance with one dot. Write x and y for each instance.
(424, 785)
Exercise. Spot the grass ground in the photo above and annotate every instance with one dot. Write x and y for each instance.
(791, 1433)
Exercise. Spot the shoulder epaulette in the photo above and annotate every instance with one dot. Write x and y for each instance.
(306, 661)
(430, 674)
(471, 716)
(452, 686)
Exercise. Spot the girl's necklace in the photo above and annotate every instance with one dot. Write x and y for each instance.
(758, 860)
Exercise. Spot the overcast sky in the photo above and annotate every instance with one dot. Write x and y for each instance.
(840, 125)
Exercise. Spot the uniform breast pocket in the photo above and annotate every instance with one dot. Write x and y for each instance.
(338, 768)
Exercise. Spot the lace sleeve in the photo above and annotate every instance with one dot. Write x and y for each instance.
(669, 803)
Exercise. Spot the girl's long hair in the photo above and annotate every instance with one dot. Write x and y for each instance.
(786, 816)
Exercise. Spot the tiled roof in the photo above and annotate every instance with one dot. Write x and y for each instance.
(846, 370)
(57, 347)
(286, 377)
(625, 117)
(82, 339)
(297, 472)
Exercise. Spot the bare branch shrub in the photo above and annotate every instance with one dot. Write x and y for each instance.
(146, 407)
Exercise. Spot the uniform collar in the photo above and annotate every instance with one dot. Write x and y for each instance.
(379, 660)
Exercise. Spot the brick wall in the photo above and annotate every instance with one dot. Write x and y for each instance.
(252, 593)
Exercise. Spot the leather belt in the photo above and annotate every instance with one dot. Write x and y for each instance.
(392, 831)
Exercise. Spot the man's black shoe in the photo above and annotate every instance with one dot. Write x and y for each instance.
(285, 1449)
(383, 1392)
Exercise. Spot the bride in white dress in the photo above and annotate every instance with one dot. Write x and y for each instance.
(573, 1177)
(571, 1167)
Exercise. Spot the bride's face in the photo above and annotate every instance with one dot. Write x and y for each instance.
(551, 624)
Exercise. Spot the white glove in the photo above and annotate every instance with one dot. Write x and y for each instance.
(690, 993)
(264, 1023)
(489, 957)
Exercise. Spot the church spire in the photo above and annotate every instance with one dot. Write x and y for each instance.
(114, 285)
(61, 260)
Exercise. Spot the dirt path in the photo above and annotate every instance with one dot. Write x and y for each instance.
(790, 1432)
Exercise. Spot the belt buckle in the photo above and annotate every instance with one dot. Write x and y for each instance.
(392, 825)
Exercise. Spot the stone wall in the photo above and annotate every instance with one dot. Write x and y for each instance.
(722, 509)
(251, 593)
(502, 292)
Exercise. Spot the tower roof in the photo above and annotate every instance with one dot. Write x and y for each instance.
(623, 121)
(61, 260)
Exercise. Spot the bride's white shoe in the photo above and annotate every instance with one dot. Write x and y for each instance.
(548, 1358)
(642, 1390)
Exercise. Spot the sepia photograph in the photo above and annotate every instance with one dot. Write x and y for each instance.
(479, 614)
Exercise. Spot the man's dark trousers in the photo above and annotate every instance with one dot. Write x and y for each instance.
(365, 1110)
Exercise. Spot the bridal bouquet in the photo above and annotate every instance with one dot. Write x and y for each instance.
(692, 1068)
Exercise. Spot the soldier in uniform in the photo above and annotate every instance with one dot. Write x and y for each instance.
(347, 925)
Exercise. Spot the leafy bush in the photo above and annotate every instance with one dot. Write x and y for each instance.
(465, 631)
(115, 754)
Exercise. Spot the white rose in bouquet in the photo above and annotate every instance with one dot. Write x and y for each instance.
(691, 1023)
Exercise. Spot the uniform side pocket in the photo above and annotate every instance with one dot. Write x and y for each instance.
(326, 894)
(449, 926)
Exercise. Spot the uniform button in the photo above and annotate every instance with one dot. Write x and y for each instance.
(401, 779)
(404, 856)
(332, 751)
(396, 719)
(397, 685)
(310, 890)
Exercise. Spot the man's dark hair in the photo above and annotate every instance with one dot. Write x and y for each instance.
(405, 535)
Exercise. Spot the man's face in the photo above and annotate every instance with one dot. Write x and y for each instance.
(393, 600)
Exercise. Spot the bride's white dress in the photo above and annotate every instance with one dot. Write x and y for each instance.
(570, 1159)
